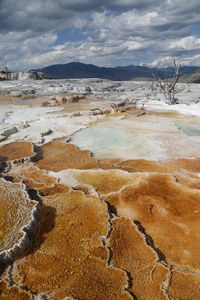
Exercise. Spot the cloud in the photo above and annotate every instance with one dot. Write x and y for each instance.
(191, 61)
(40, 15)
(162, 62)
(20, 47)
(113, 32)
(168, 61)
(186, 43)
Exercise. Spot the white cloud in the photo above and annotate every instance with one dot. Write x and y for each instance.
(186, 43)
(191, 61)
(117, 32)
(162, 62)
(168, 61)
(19, 48)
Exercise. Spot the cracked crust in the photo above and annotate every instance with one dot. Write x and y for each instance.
(169, 212)
(132, 254)
(72, 245)
(109, 234)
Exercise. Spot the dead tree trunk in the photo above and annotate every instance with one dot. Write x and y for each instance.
(167, 86)
(6, 70)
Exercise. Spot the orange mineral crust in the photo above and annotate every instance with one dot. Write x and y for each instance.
(142, 244)
(17, 151)
(12, 293)
(58, 156)
(56, 189)
(131, 253)
(37, 175)
(168, 166)
(184, 286)
(37, 179)
(107, 181)
(32, 176)
(167, 211)
(16, 213)
(191, 182)
(69, 258)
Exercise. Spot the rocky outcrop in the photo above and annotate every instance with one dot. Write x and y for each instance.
(9, 132)
(30, 75)
(3, 76)
(64, 98)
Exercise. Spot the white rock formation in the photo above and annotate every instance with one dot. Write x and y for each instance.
(18, 219)
(30, 75)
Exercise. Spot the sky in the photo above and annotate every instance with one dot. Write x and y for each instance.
(38, 33)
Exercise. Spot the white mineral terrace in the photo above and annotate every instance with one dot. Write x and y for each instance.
(20, 216)
(165, 131)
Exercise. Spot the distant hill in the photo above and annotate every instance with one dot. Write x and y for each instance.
(80, 70)
(191, 78)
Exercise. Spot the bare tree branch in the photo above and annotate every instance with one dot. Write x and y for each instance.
(166, 86)
(6, 70)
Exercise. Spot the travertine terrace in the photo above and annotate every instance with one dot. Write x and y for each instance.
(105, 206)
(18, 217)
(17, 151)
